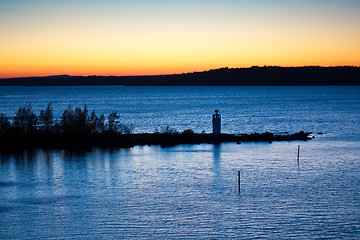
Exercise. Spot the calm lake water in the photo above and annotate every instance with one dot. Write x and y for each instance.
(190, 191)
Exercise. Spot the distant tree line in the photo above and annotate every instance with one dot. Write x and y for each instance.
(253, 76)
(77, 120)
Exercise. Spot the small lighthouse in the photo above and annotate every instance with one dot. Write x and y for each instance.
(216, 121)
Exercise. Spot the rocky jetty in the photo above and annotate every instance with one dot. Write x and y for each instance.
(70, 140)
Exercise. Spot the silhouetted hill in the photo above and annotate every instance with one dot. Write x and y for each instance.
(60, 76)
(254, 76)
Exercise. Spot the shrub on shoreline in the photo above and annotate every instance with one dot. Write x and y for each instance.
(77, 120)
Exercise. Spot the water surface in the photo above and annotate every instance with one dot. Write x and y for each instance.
(334, 110)
(191, 191)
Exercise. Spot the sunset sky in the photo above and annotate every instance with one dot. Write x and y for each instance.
(142, 37)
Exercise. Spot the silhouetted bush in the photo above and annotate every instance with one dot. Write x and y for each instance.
(113, 122)
(25, 119)
(188, 132)
(46, 118)
(100, 123)
(71, 121)
(96, 124)
(4, 123)
(81, 119)
(78, 120)
(126, 129)
(169, 130)
(156, 131)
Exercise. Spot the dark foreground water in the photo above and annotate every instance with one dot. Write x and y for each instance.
(191, 191)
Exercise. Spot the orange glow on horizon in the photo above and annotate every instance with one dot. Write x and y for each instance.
(142, 72)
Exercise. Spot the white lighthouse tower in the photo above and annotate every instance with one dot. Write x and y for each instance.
(216, 121)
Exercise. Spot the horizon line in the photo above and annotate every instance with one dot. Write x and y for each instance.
(212, 69)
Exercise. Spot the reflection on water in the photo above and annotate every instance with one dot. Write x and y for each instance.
(187, 191)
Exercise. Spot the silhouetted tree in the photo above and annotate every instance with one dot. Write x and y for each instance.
(81, 119)
(100, 124)
(25, 119)
(67, 121)
(95, 123)
(4, 123)
(113, 122)
(46, 117)
(169, 130)
(92, 122)
(76, 120)
(125, 129)
(72, 121)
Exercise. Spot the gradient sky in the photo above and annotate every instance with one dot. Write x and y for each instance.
(138, 37)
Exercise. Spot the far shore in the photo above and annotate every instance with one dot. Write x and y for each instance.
(253, 76)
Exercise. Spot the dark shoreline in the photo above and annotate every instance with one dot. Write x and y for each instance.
(14, 142)
(253, 76)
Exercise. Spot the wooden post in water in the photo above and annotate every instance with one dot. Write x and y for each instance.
(239, 180)
(298, 155)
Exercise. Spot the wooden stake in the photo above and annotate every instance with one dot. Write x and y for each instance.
(239, 180)
(298, 155)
